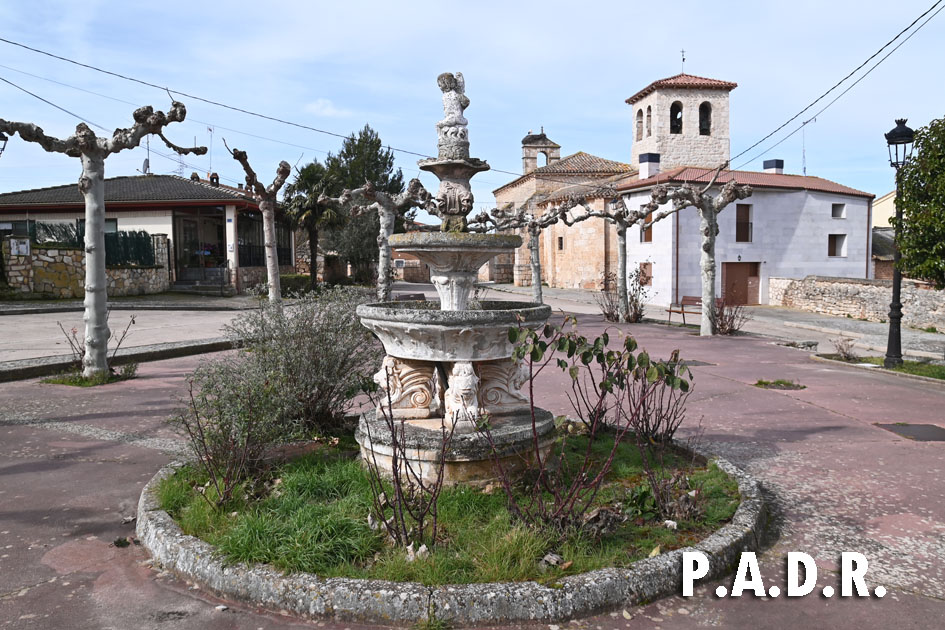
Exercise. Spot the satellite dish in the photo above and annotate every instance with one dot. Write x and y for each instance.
(146, 167)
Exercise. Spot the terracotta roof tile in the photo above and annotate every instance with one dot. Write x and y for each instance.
(697, 175)
(138, 188)
(683, 81)
(581, 162)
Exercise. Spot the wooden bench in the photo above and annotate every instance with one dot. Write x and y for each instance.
(690, 305)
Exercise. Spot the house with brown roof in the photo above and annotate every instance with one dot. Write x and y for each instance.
(578, 256)
(791, 227)
(215, 235)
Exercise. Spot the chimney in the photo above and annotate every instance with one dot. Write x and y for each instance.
(774, 166)
(194, 177)
(214, 179)
(239, 186)
(649, 164)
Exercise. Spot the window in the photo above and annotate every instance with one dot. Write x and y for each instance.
(649, 120)
(743, 223)
(400, 263)
(675, 117)
(639, 124)
(111, 226)
(705, 119)
(560, 243)
(838, 211)
(646, 229)
(837, 245)
(646, 274)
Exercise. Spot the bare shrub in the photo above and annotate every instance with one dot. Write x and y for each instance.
(412, 508)
(77, 344)
(611, 388)
(637, 294)
(843, 346)
(729, 318)
(318, 348)
(607, 298)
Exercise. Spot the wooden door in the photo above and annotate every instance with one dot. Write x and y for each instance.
(740, 283)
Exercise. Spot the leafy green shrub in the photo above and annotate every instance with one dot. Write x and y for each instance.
(294, 283)
(318, 349)
(235, 413)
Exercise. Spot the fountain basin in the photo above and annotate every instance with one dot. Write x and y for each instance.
(420, 331)
(454, 259)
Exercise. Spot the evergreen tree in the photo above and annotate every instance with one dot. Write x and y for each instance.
(922, 187)
(362, 158)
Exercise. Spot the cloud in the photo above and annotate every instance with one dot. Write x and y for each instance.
(324, 108)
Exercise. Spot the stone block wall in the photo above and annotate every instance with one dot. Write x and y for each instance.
(863, 299)
(60, 272)
(17, 269)
(250, 277)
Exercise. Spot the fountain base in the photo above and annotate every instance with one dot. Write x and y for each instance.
(469, 457)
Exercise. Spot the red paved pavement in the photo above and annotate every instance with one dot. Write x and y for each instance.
(72, 462)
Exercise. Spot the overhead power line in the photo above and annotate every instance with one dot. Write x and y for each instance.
(844, 79)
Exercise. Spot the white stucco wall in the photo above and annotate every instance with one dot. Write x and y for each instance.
(659, 253)
(789, 240)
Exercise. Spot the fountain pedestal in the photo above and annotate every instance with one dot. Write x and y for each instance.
(449, 366)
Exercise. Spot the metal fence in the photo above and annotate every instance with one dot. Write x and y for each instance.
(121, 248)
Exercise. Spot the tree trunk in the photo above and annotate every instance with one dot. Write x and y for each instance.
(384, 277)
(313, 253)
(92, 187)
(535, 261)
(272, 257)
(709, 227)
(622, 298)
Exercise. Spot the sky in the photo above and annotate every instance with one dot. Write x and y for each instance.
(564, 66)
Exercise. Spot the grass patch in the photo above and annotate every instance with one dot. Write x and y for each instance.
(312, 517)
(124, 373)
(919, 368)
(779, 384)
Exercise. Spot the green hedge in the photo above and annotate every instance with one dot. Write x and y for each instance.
(294, 283)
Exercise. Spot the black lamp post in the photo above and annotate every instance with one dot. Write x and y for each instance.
(900, 150)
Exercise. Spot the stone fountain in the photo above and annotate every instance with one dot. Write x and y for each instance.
(449, 364)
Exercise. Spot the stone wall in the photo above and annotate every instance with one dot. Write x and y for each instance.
(60, 272)
(862, 299)
(250, 277)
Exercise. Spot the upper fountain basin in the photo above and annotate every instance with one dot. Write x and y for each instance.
(474, 247)
(419, 330)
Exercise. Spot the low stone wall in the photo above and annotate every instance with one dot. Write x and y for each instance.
(862, 299)
(250, 277)
(60, 272)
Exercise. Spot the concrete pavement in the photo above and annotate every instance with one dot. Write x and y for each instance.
(72, 462)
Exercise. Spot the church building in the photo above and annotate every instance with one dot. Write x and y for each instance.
(792, 226)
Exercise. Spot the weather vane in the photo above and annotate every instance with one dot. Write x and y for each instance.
(682, 66)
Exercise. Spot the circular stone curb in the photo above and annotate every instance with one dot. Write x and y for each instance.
(378, 601)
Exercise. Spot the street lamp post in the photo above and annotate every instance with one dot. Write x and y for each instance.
(900, 150)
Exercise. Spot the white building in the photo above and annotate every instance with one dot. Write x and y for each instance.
(791, 227)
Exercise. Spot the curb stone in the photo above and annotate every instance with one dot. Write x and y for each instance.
(881, 370)
(48, 366)
(378, 601)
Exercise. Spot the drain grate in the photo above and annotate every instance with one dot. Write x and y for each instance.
(917, 432)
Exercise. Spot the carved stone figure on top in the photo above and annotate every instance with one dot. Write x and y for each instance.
(455, 100)
(452, 134)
